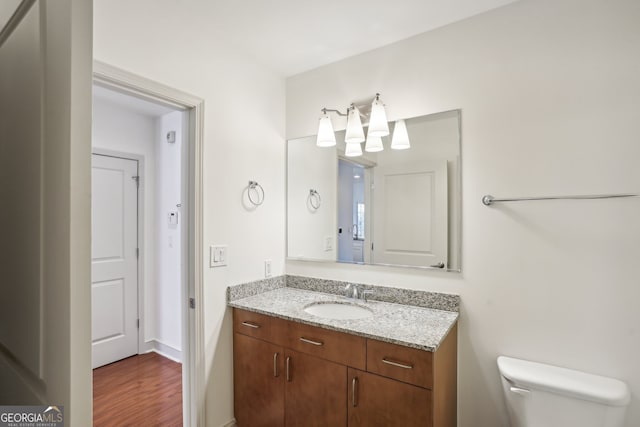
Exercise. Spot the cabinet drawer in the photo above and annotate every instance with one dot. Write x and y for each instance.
(335, 346)
(258, 326)
(402, 363)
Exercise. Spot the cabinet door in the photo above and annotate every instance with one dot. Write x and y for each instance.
(376, 401)
(258, 382)
(315, 392)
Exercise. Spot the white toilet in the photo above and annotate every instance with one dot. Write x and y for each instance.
(539, 395)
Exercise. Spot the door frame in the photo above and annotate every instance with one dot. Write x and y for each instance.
(142, 347)
(193, 373)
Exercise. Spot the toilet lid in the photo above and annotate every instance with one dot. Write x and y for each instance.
(568, 382)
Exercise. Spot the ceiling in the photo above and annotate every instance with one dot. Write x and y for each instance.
(292, 36)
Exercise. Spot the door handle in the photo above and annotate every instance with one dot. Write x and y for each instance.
(287, 370)
(308, 341)
(397, 364)
(251, 325)
(354, 392)
(275, 364)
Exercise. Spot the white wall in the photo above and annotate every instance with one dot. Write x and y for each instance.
(243, 140)
(168, 296)
(550, 100)
(308, 228)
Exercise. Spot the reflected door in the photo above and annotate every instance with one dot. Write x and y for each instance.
(410, 221)
(114, 263)
(351, 211)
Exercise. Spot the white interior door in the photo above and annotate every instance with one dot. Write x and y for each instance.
(345, 211)
(114, 261)
(410, 223)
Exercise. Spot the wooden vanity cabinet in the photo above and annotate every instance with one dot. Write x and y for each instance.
(291, 374)
(314, 392)
(376, 401)
(405, 387)
(287, 373)
(258, 382)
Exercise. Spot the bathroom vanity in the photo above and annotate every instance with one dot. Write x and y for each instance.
(395, 367)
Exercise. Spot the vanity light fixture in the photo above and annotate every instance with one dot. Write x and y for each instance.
(354, 126)
(326, 135)
(378, 125)
(374, 143)
(400, 140)
(354, 135)
(353, 149)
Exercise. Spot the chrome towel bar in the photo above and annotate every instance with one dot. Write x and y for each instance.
(488, 200)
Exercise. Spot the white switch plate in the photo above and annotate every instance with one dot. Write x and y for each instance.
(218, 256)
(328, 243)
(267, 268)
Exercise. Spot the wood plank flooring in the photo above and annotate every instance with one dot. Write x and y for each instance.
(143, 390)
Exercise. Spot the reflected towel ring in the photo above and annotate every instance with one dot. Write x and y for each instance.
(314, 199)
(257, 188)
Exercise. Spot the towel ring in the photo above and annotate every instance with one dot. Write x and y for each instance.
(314, 199)
(253, 185)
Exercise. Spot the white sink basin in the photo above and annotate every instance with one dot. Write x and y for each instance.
(338, 310)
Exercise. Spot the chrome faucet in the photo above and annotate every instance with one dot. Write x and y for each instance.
(367, 292)
(352, 291)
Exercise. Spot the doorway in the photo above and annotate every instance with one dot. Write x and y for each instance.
(178, 225)
(137, 229)
(353, 212)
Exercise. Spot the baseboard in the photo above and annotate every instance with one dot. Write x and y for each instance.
(231, 423)
(164, 350)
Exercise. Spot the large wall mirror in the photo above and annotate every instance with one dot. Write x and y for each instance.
(392, 207)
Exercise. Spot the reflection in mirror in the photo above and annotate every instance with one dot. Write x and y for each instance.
(391, 207)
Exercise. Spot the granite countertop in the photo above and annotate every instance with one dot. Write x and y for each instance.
(407, 325)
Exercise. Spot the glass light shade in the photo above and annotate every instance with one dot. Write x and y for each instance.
(374, 143)
(400, 140)
(353, 149)
(378, 125)
(326, 136)
(354, 127)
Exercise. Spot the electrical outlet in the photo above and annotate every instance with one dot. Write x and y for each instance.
(267, 268)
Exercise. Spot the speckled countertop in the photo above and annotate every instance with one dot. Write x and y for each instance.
(408, 325)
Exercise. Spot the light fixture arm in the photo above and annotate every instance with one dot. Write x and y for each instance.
(330, 110)
(340, 113)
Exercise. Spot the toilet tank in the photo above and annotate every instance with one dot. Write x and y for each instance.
(539, 395)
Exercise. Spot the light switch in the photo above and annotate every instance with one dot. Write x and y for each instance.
(267, 268)
(173, 218)
(328, 243)
(217, 256)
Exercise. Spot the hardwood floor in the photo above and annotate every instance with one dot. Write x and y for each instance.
(143, 390)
